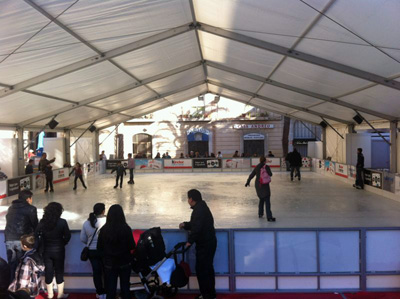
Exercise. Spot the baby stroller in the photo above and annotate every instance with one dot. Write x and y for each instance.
(160, 275)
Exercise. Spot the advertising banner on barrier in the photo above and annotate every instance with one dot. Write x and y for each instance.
(15, 185)
(341, 170)
(388, 181)
(326, 165)
(143, 164)
(60, 175)
(306, 162)
(3, 189)
(110, 164)
(207, 163)
(271, 162)
(236, 163)
(40, 180)
(373, 178)
(178, 164)
(320, 166)
(352, 172)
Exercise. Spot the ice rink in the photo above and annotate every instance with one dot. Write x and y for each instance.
(159, 199)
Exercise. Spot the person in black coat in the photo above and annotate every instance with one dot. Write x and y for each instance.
(29, 167)
(21, 219)
(263, 190)
(120, 169)
(53, 235)
(47, 169)
(295, 164)
(116, 244)
(202, 232)
(359, 170)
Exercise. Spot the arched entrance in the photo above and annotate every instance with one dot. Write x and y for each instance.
(198, 141)
(142, 144)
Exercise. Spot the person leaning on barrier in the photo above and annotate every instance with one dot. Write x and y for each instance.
(21, 219)
(202, 232)
(29, 167)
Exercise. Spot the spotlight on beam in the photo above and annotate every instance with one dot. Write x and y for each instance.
(200, 98)
(323, 124)
(358, 119)
(53, 124)
(216, 99)
(92, 128)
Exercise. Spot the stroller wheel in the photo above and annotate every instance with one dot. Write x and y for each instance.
(169, 291)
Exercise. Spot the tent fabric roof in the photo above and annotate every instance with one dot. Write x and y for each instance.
(105, 62)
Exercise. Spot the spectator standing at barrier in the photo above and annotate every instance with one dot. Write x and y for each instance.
(202, 232)
(295, 164)
(359, 170)
(3, 176)
(236, 154)
(167, 156)
(103, 156)
(270, 154)
(53, 235)
(21, 219)
(29, 167)
(157, 156)
(120, 169)
(29, 273)
(89, 235)
(131, 167)
(78, 174)
(47, 169)
(287, 158)
(262, 172)
(115, 244)
(181, 156)
(219, 156)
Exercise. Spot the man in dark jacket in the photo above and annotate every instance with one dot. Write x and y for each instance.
(359, 170)
(47, 169)
(295, 164)
(120, 169)
(21, 219)
(202, 232)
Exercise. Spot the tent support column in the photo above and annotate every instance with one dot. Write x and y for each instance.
(393, 146)
(96, 145)
(324, 143)
(67, 148)
(20, 151)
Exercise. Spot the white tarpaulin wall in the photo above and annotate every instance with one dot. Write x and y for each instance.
(109, 61)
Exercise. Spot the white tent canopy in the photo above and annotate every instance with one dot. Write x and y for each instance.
(109, 61)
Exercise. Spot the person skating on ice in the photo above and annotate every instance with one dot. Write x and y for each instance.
(120, 169)
(78, 174)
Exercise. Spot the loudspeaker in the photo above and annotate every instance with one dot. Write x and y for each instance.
(52, 124)
(323, 124)
(92, 129)
(358, 119)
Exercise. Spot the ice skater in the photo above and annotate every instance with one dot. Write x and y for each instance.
(46, 168)
(295, 164)
(359, 170)
(131, 167)
(78, 174)
(120, 169)
(263, 178)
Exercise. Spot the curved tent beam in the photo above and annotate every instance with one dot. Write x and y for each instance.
(251, 94)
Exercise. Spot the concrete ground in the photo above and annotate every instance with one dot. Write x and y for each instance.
(159, 199)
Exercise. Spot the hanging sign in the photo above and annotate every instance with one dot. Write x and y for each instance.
(253, 126)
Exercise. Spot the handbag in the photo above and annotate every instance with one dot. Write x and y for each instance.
(85, 250)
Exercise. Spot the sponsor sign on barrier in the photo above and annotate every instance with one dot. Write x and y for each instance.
(306, 162)
(60, 175)
(373, 178)
(15, 185)
(111, 164)
(39, 180)
(178, 164)
(352, 171)
(388, 181)
(143, 164)
(207, 163)
(236, 163)
(327, 165)
(3, 189)
(341, 170)
(271, 162)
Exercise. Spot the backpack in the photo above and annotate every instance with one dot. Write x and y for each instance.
(264, 176)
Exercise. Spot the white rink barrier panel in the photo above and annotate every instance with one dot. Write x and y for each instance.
(287, 259)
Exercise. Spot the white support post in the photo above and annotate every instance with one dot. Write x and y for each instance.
(67, 143)
(324, 143)
(96, 145)
(393, 146)
(20, 151)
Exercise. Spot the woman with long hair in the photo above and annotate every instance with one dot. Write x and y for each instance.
(116, 244)
(53, 234)
(89, 235)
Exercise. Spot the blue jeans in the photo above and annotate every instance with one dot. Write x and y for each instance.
(14, 254)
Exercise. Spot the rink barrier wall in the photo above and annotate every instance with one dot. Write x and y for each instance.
(279, 260)
(204, 165)
(380, 182)
(37, 181)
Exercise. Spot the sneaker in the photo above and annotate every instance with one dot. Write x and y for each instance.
(271, 219)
